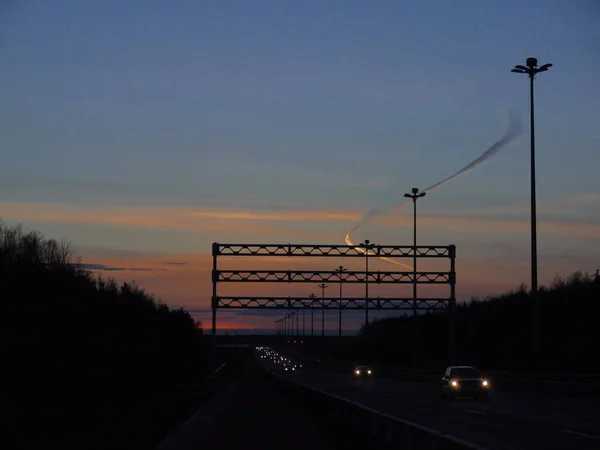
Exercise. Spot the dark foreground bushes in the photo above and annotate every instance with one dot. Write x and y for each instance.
(81, 356)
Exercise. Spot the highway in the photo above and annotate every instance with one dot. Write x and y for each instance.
(257, 417)
(508, 421)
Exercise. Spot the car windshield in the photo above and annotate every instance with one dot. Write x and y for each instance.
(361, 368)
(466, 372)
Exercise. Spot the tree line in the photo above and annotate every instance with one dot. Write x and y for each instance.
(81, 354)
(494, 333)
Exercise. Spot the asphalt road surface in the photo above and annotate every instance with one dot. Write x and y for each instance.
(257, 417)
(508, 421)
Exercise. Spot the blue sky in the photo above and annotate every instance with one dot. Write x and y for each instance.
(286, 106)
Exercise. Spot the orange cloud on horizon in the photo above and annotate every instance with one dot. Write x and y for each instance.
(262, 223)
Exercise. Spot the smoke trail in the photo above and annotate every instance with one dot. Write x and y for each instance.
(513, 131)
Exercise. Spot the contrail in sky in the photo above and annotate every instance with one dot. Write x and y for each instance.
(513, 131)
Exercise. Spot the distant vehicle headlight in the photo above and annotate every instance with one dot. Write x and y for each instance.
(454, 383)
(357, 372)
(485, 383)
(369, 372)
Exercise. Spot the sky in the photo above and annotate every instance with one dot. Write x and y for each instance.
(143, 131)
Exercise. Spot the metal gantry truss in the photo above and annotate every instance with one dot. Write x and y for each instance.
(310, 276)
(332, 276)
(377, 303)
(388, 251)
(296, 304)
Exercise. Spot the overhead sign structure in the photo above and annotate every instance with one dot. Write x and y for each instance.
(365, 277)
(332, 276)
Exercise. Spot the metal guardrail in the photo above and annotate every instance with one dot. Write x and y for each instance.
(388, 430)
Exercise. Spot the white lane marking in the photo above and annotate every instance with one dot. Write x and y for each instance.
(591, 436)
(472, 411)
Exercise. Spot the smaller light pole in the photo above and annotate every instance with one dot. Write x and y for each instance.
(323, 286)
(415, 195)
(312, 314)
(303, 321)
(340, 270)
(367, 246)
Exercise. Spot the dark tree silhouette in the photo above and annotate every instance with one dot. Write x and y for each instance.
(493, 333)
(82, 356)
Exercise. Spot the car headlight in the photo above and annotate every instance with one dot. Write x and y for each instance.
(357, 372)
(369, 372)
(454, 383)
(485, 383)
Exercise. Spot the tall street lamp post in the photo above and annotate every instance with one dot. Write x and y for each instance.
(531, 69)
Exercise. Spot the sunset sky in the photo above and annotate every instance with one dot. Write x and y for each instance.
(143, 131)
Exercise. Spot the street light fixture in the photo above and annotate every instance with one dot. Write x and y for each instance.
(532, 69)
(367, 246)
(340, 270)
(415, 195)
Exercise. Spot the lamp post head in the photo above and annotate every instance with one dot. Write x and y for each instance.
(415, 190)
(532, 62)
(532, 69)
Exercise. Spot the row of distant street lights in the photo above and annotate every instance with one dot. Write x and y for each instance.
(285, 324)
(531, 69)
